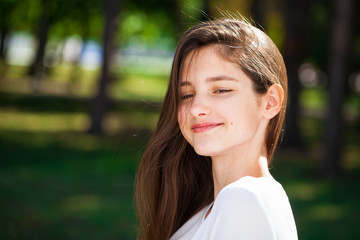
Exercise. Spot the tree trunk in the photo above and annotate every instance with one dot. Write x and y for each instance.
(258, 12)
(338, 63)
(176, 9)
(36, 70)
(206, 11)
(5, 9)
(101, 100)
(293, 53)
(4, 34)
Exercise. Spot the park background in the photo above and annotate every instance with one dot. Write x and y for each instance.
(81, 85)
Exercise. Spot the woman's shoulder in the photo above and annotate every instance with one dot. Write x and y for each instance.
(239, 211)
(263, 194)
(252, 187)
(243, 194)
(256, 202)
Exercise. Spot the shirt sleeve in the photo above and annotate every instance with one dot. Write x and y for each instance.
(241, 215)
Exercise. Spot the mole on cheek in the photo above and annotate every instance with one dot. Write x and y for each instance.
(231, 123)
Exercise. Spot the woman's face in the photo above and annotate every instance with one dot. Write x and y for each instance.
(219, 111)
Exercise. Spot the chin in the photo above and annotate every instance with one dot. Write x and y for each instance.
(207, 151)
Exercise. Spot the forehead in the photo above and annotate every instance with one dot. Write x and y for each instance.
(207, 63)
(212, 49)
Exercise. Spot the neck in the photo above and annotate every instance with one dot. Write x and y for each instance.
(230, 168)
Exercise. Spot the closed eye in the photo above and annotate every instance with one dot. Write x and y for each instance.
(222, 90)
(187, 96)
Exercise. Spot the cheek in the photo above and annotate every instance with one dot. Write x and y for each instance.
(245, 121)
(243, 116)
(181, 117)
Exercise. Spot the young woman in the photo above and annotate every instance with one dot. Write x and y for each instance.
(204, 174)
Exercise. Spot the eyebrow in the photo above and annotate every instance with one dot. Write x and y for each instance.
(212, 79)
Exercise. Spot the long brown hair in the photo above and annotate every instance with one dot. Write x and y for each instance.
(173, 182)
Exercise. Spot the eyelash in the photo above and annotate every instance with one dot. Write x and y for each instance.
(222, 90)
(187, 96)
(219, 91)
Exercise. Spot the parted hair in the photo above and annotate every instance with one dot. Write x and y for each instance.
(173, 182)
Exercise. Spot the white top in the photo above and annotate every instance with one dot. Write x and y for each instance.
(250, 208)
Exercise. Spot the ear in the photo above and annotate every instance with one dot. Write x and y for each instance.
(273, 101)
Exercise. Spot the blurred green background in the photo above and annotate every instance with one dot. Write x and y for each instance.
(75, 116)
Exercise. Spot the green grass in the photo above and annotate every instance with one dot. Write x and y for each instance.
(324, 208)
(68, 185)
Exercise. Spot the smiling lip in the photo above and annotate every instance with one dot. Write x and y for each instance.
(203, 127)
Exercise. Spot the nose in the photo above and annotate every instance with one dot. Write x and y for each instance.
(200, 106)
